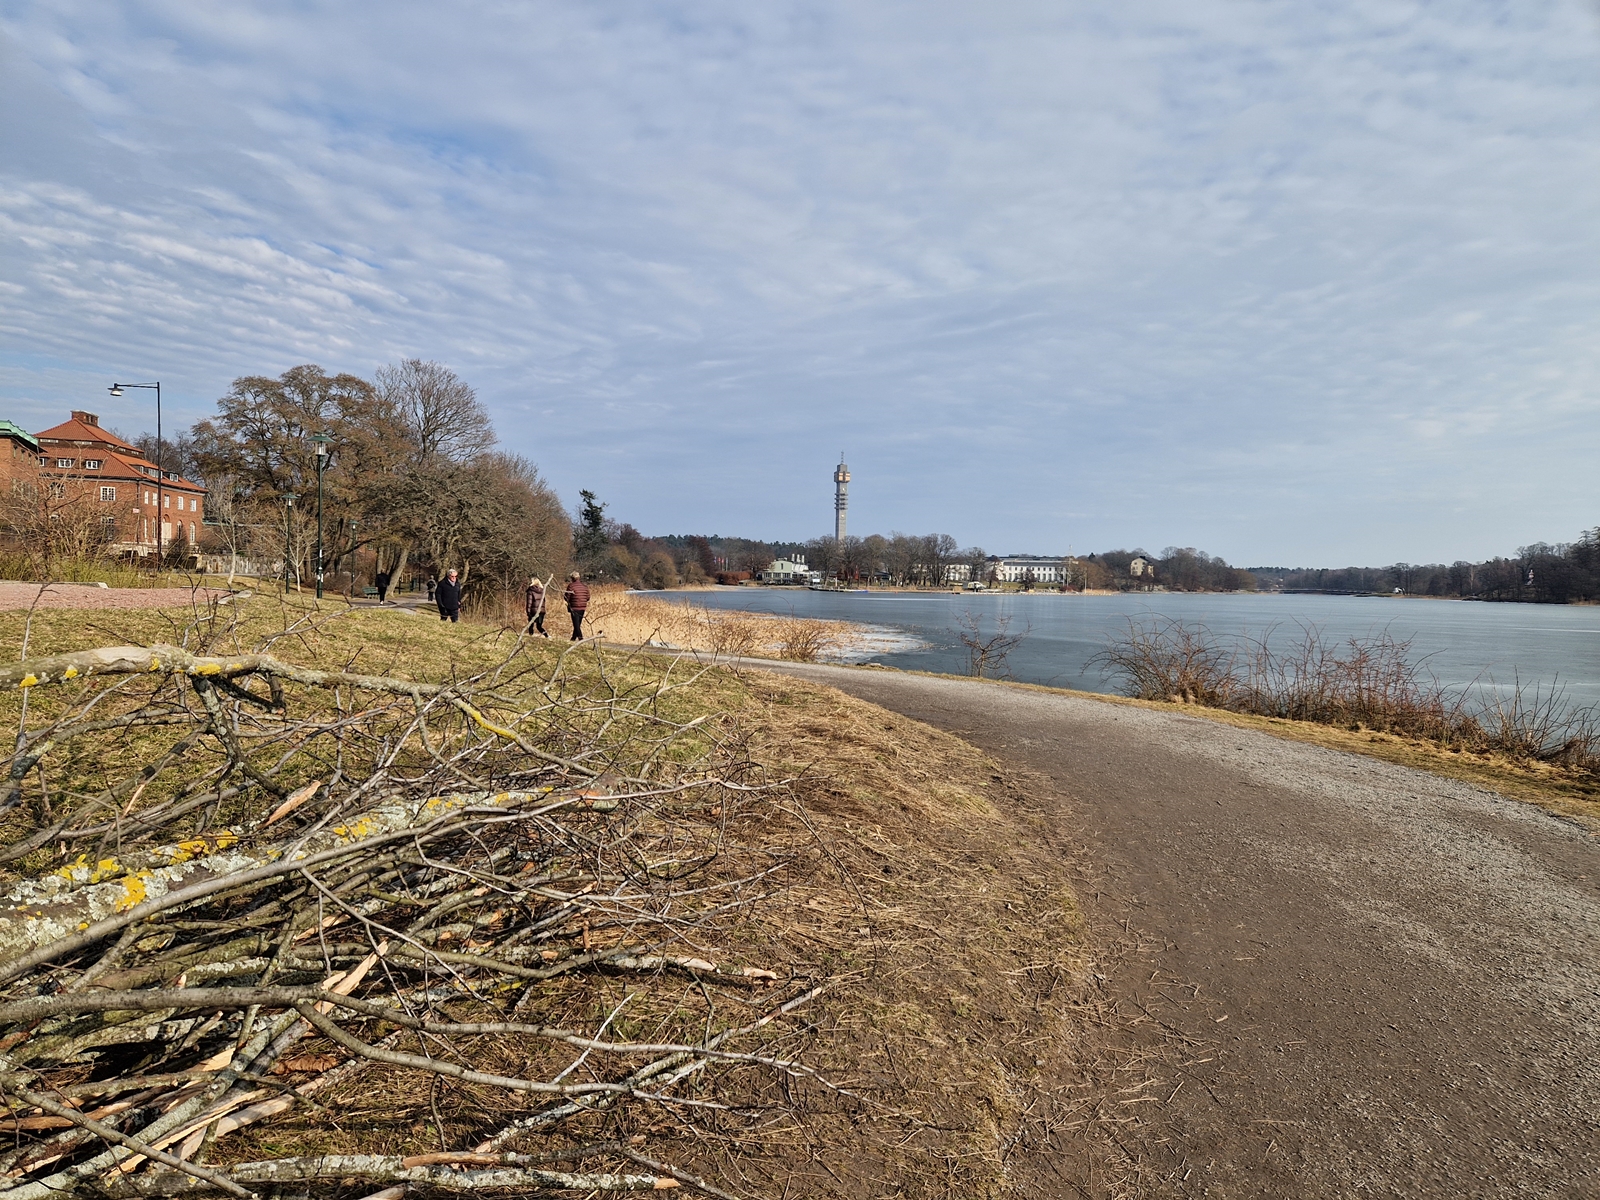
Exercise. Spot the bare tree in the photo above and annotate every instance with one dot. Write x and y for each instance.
(439, 411)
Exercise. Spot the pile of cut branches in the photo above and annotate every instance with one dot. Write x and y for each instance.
(241, 893)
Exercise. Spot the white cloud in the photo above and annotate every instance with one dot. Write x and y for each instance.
(1259, 277)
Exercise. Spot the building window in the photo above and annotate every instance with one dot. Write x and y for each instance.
(166, 502)
(64, 464)
(108, 493)
(194, 505)
(91, 464)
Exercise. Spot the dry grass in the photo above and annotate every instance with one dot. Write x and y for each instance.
(921, 882)
(628, 618)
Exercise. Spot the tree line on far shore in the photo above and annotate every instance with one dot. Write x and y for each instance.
(610, 551)
(1540, 573)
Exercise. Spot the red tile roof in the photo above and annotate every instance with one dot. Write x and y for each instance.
(77, 431)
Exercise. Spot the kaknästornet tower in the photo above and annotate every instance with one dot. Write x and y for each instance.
(841, 498)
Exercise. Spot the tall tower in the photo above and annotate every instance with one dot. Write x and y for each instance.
(841, 497)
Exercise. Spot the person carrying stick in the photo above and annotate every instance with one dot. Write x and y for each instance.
(533, 605)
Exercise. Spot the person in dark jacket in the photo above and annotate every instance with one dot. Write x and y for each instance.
(432, 585)
(382, 581)
(533, 604)
(448, 597)
(577, 598)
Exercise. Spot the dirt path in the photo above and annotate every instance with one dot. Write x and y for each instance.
(1349, 978)
(88, 595)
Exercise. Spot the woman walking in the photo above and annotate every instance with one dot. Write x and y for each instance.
(533, 603)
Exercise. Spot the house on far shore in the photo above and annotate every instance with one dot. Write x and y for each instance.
(788, 571)
(1141, 566)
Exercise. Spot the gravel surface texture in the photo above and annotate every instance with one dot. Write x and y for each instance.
(87, 595)
(1347, 978)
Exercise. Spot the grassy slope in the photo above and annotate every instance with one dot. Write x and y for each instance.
(939, 905)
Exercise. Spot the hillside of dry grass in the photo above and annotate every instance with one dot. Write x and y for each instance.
(883, 876)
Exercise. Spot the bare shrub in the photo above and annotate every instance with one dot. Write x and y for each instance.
(1173, 661)
(801, 640)
(987, 653)
(1540, 724)
(1372, 682)
(733, 634)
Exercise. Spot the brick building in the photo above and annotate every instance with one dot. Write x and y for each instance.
(79, 461)
(19, 462)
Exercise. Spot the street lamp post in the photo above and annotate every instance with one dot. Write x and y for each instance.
(322, 440)
(288, 511)
(161, 469)
(349, 555)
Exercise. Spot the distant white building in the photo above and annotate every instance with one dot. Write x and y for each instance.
(790, 570)
(1020, 568)
(1141, 566)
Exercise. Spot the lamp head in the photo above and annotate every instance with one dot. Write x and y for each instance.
(115, 389)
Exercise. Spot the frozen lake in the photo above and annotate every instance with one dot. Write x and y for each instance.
(1460, 642)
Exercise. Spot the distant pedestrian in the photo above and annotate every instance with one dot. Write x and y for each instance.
(382, 581)
(533, 603)
(432, 584)
(577, 598)
(447, 595)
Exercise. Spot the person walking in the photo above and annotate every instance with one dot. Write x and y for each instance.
(433, 583)
(533, 604)
(382, 581)
(448, 597)
(577, 598)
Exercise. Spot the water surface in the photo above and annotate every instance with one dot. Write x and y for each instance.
(1462, 643)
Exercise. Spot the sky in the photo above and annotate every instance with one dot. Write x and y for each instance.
(1295, 284)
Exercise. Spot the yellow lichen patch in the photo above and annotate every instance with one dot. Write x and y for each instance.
(155, 664)
(70, 673)
(208, 669)
(28, 681)
(194, 847)
(356, 831)
(133, 893)
(82, 871)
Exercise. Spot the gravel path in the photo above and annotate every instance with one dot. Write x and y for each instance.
(1350, 978)
(87, 595)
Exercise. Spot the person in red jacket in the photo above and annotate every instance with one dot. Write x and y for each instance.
(577, 598)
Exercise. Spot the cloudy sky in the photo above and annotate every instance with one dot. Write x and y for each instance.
(1294, 283)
